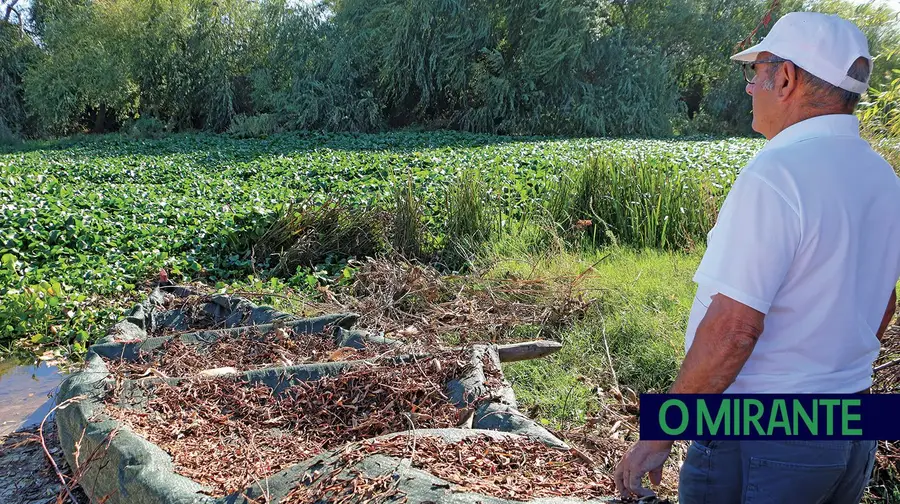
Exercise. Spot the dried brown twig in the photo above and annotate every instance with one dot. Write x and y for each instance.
(62, 478)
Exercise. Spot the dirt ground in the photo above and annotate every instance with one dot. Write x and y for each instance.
(26, 474)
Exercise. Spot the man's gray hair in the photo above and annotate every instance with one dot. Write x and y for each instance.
(823, 94)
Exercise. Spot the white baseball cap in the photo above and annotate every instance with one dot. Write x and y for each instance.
(824, 45)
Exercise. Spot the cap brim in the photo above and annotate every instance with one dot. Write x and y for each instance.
(749, 54)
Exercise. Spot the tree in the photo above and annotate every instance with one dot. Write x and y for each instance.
(81, 70)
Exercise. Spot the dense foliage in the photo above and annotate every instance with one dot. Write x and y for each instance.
(99, 217)
(574, 67)
(16, 53)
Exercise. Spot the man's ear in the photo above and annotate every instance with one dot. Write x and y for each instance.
(787, 81)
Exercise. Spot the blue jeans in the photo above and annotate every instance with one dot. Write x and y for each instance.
(795, 472)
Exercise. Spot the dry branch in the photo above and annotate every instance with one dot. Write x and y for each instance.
(514, 352)
(62, 478)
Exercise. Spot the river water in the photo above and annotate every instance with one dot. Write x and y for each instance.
(26, 393)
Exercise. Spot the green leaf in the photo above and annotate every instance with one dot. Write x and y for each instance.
(8, 261)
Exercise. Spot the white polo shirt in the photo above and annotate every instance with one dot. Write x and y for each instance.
(809, 234)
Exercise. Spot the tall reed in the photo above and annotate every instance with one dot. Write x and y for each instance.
(656, 203)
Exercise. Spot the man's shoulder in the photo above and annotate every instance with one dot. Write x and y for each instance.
(770, 168)
(768, 162)
(815, 159)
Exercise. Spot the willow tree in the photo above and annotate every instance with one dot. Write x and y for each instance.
(81, 69)
(17, 50)
(559, 67)
(313, 76)
(513, 66)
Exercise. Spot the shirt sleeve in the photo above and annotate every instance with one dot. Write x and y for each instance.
(752, 245)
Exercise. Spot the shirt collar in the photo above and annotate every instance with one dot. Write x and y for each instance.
(819, 126)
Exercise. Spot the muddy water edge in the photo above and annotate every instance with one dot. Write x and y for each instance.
(27, 391)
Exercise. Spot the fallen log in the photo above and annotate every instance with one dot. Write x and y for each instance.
(514, 352)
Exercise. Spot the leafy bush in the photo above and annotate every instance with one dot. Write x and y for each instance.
(145, 128)
(258, 126)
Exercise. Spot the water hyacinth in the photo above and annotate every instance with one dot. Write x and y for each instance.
(87, 214)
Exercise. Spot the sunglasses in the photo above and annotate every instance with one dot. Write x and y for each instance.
(750, 68)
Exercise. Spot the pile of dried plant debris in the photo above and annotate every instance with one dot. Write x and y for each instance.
(408, 301)
(512, 468)
(194, 314)
(252, 432)
(887, 381)
(251, 349)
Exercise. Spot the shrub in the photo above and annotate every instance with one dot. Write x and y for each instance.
(145, 128)
(254, 126)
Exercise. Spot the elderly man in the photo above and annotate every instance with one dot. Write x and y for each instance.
(797, 284)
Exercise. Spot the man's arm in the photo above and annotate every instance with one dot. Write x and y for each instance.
(888, 314)
(723, 342)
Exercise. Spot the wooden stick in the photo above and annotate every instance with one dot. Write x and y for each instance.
(887, 365)
(514, 352)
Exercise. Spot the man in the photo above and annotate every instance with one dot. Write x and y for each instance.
(798, 281)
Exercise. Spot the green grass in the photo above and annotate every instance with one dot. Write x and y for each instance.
(88, 219)
(641, 301)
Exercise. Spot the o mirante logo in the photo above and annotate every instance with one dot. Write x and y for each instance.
(768, 416)
(744, 417)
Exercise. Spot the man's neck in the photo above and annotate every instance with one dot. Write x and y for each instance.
(793, 116)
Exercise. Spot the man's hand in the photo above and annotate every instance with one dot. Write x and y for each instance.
(641, 458)
(725, 338)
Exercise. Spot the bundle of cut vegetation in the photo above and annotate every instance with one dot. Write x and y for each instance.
(306, 235)
(411, 300)
(242, 352)
(192, 307)
(511, 468)
(252, 432)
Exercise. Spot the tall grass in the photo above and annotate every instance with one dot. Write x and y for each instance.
(655, 203)
(468, 219)
(408, 233)
(309, 234)
(639, 201)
